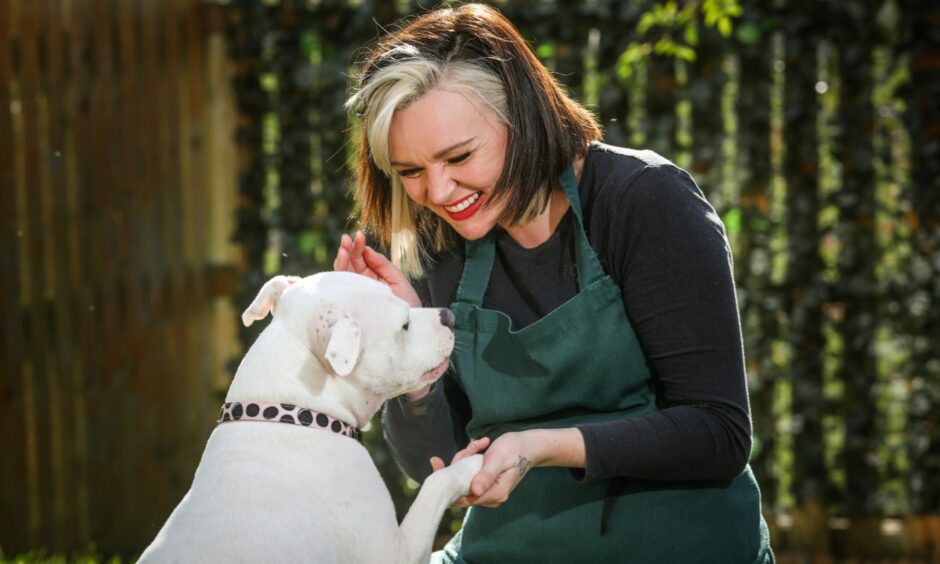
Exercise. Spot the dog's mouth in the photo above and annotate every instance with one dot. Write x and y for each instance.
(435, 373)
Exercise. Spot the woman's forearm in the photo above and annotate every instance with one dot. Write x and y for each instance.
(558, 447)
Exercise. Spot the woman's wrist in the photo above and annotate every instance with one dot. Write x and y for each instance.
(557, 447)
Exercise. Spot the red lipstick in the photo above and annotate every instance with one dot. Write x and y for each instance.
(469, 210)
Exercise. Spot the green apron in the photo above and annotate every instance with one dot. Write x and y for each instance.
(581, 363)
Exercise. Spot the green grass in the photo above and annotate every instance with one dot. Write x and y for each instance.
(86, 556)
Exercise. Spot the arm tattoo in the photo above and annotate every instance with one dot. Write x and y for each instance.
(522, 465)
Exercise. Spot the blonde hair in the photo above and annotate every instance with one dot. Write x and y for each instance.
(393, 88)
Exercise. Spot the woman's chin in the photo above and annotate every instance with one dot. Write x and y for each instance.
(478, 230)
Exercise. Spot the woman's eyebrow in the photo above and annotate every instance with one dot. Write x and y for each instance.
(442, 152)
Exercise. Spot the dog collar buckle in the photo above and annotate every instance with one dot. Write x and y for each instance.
(285, 413)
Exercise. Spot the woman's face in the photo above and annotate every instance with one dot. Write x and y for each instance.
(449, 151)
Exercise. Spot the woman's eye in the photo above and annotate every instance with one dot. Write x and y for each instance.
(409, 172)
(459, 158)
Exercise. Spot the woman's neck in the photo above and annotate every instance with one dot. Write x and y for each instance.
(539, 229)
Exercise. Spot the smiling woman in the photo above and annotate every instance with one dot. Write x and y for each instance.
(598, 358)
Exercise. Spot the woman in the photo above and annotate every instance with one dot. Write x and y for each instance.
(598, 361)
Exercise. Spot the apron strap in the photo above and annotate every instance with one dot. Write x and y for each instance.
(476, 270)
(589, 267)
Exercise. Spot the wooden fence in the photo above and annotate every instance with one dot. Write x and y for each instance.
(116, 198)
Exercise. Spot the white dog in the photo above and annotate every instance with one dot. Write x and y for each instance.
(283, 477)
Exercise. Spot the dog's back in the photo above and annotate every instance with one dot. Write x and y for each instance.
(266, 489)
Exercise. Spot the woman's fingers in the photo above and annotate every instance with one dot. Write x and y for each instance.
(389, 273)
(380, 264)
(475, 447)
(341, 262)
(485, 479)
(349, 256)
(492, 490)
(355, 256)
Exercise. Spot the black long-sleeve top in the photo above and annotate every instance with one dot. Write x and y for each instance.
(664, 245)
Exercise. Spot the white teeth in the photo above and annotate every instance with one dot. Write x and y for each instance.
(464, 204)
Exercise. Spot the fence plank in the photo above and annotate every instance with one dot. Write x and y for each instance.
(201, 406)
(38, 368)
(79, 227)
(221, 175)
(86, 273)
(74, 348)
(110, 403)
(57, 289)
(179, 166)
(159, 271)
(13, 472)
(140, 374)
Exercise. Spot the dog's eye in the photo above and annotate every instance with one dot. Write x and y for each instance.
(405, 326)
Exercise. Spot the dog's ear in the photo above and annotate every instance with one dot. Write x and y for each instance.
(267, 298)
(343, 348)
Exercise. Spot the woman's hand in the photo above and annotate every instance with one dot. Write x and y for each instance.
(355, 256)
(510, 457)
(475, 446)
(505, 464)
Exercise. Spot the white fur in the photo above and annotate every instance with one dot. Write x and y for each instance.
(276, 492)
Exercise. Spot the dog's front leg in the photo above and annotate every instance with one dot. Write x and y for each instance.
(439, 491)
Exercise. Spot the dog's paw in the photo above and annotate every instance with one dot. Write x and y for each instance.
(462, 473)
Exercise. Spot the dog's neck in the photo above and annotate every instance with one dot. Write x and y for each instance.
(279, 368)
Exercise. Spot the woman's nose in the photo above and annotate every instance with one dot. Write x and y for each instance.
(440, 187)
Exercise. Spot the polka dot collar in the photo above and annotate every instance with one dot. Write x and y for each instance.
(285, 413)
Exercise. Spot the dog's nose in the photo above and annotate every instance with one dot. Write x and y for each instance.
(447, 318)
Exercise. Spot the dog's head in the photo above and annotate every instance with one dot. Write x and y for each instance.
(359, 331)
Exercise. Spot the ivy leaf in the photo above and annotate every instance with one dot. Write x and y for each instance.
(685, 53)
(691, 34)
(748, 33)
(545, 51)
(732, 220)
(634, 53)
(724, 27)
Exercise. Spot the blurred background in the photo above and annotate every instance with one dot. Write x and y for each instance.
(160, 159)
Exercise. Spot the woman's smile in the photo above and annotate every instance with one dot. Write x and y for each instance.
(466, 207)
